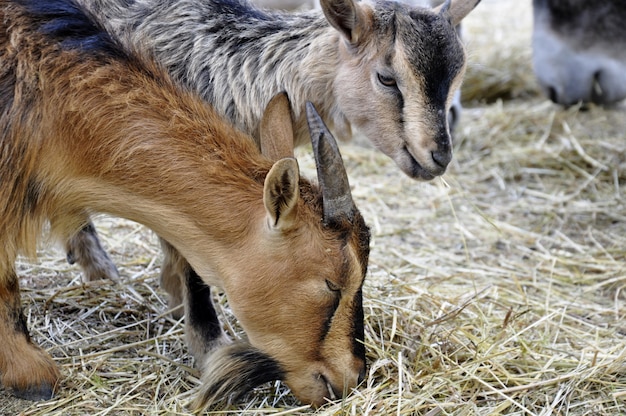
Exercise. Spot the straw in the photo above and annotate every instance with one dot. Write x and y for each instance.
(499, 289)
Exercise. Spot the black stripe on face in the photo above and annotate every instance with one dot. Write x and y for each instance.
(357, 333)
(389, 64)
(434, 51)
(358, 326)
(363, 236)
(332, 309)
(397, 94)
(360, 236)
(356, 311)
(356, 234)
(329, 316)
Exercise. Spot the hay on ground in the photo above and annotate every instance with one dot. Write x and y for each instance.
(499, 289)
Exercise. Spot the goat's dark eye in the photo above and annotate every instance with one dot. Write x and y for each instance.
(387, 81)
(332, 286)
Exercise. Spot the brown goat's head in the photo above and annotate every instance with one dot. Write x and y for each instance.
(297, 288)
(412, 61)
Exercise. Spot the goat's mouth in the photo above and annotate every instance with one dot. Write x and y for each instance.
(416, 170)
(332, 392)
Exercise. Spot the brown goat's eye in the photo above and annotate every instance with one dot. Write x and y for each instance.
(332, 286)
(387, 81)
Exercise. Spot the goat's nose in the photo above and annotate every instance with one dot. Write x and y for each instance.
(442, 157)
(559, 95)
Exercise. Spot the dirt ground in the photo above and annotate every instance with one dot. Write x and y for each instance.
(497, 289)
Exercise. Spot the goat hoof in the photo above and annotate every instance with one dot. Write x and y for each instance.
(43, 391)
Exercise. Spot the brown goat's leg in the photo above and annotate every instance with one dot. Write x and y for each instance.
(202, 327)
(26, 369)
(85, 249)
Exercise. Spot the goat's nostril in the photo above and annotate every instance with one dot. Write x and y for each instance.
(597, 93)
(552, 94)
(442, 158)
(332, 395)
(361, 376)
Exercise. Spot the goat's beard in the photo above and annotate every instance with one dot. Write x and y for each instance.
(232, 371)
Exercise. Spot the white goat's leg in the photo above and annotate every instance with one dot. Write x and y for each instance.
(173, 277)
(85, 249)
(203, 330)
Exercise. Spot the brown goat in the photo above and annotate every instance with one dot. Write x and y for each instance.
(86, 127)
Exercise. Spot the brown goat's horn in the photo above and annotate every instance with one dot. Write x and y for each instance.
(331, 173)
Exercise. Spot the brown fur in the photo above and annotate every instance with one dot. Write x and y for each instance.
(97, 131)
(21, 360)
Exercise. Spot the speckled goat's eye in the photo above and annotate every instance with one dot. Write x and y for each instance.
(387, 81)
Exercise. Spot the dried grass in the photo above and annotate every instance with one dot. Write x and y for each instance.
(500, 289)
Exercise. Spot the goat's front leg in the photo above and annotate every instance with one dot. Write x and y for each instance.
(85, 249)
(26, 369)
(203, 330)
(173, 272)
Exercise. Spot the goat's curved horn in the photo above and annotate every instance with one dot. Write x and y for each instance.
(456, 10)
(331, 174)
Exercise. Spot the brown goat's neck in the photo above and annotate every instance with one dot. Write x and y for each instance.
(164, 159)
(118, 138)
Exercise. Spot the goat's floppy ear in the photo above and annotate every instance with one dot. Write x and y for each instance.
(276, 129)
(281, 193)
(347, 17)
(456, 10)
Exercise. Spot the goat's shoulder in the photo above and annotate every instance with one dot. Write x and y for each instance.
(65, 24)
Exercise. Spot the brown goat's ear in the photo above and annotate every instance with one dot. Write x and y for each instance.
(276, 129)
(281, 192)
(347, 17)
(456, 10)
